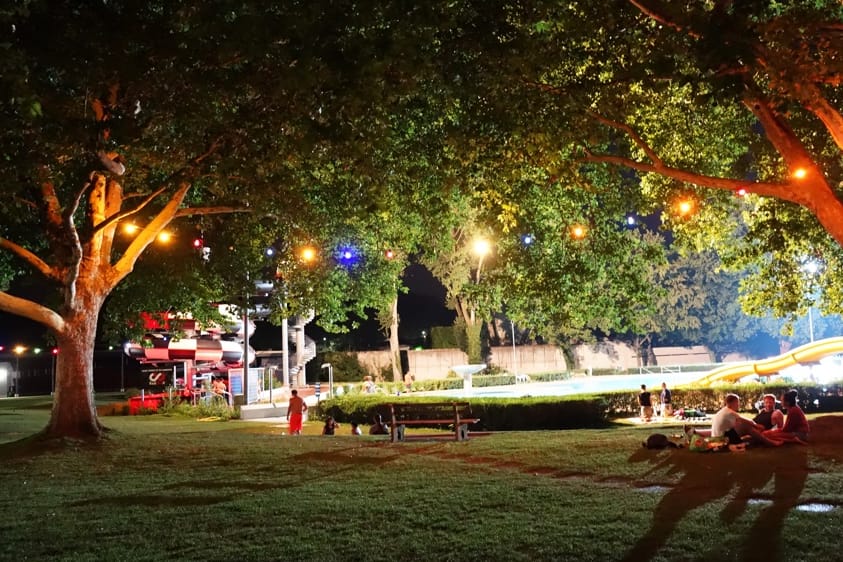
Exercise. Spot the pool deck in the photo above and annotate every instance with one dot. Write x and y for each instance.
(576, 385)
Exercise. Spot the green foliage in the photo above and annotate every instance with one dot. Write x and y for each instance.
(215, 407)
(443, 337)
(609, 88)
(473, 344)
(345, 365)
(494, 414)
(812, 397)
(132, 392)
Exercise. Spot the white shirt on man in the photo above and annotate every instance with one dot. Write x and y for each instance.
(724, 420)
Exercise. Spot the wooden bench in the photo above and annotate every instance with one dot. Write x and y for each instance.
(402, 414)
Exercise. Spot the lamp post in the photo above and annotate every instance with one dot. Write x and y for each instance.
(811, 267)
(811, 323)
(54, 352)
(514, 359)
(19, 350)
(481, 249)
(330, 378)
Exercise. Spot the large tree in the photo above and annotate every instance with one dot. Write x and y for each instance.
(151, 113)
(722, 104)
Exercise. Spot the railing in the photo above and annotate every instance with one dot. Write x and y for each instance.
(659, 369)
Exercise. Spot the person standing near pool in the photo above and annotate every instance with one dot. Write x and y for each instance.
(645, 401)
(665, 399)
(295, 412)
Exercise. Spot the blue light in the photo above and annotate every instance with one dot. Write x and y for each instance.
(527, 239)
(270, 251)
(348, 255)
(630, 220)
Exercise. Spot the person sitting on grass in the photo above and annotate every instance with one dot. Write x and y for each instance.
(769, 416)
(796, 428)
(355, 429)
(729, 424)
(378, 427)
(330, 426)
(689, 413)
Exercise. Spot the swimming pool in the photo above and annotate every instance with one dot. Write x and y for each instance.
(577, 385)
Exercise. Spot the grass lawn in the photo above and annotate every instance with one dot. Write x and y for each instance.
(174, 488)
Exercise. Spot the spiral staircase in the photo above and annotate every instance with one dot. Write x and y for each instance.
(305, 347)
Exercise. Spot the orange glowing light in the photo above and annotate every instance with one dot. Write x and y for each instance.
(800, 173)
(164, 236)
(685, 207)
(130, 228)
(578, 231)
(308, 254)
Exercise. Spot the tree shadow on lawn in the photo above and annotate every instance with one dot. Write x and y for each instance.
(707, 477)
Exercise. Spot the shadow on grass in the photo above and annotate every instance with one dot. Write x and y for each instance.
(41, 443)
(707, 477)
(146, 500)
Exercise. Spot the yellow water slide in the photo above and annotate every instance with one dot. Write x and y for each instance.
(808, 353)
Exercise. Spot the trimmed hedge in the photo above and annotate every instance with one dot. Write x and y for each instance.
(496, 414)
(574, 411)
(812, 397)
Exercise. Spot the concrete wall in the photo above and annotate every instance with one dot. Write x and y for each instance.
(7, 376)
(435, 363)
(373, 361)
(693, 355)
(528, 359)
(606, 355)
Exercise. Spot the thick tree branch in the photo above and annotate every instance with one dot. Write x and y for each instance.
(113, 201)
(658, 14)
(784, 191)
(26, 202)
(37, 263)
(33, 311)
(122, 215)
(215, 145)
(651, 154)
(814, 101)
(195, 211)
(781, 136)
(63, 236)
(126, 263)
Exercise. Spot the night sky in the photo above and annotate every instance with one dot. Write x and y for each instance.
(423, 307)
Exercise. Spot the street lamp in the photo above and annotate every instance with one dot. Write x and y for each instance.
(330, 378)
(19, 350)
(578, 232)
(481, 248)
(811, 267)
(514, 357)
(54, 352)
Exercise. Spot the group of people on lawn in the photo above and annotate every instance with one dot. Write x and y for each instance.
(770, 427)
(645, 401)
(378, 427)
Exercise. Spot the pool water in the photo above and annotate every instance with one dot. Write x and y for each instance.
(577, 385)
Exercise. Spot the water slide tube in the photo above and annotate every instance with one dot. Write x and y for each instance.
(808, 353)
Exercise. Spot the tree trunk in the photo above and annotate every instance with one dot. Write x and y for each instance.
(394, 348)
(74, 413)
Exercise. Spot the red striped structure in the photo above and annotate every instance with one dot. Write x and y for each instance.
(163, 347)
